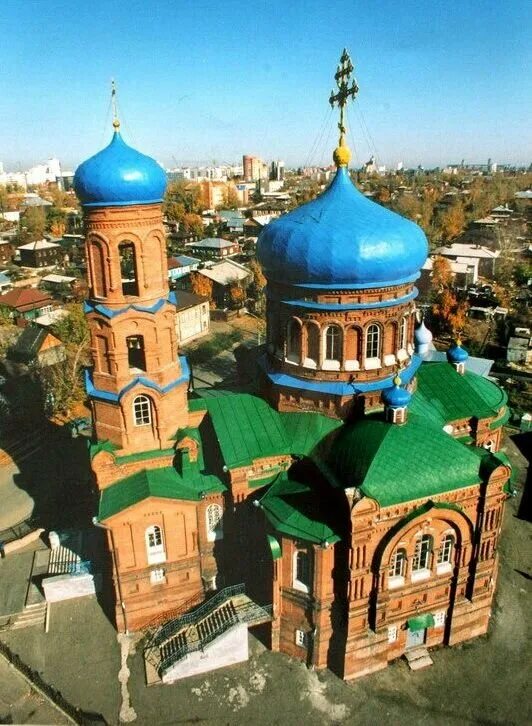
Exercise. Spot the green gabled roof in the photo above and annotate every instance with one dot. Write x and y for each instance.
(296, 509)
(143, 456)
(394, 464)
(445, 395)
(306, 430)
(95, 448)
(165, 483)
(248, 428)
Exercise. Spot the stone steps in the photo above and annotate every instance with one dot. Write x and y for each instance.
(418, 658)
(31, 615)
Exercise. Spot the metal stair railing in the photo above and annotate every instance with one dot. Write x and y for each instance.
(174, 626)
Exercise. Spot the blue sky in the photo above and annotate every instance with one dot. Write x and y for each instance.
(203, 81)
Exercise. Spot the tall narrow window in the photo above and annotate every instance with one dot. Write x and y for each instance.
(301, 571)
(128, 268)
(213, 515)
(142, 411)
(446, 550)
(313, 345)
(373, 341)
(403, 334)
(398, 564)
(421, 559)
(333, 343)
(155, 545)
(293, 341)
(135, 353)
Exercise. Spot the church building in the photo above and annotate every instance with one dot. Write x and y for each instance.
(351, 503)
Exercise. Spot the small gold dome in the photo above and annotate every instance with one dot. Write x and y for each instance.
(116, 124)
(397, 380)
(342, 155)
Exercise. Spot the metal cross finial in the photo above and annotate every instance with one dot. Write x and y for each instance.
(346, 89)
(116, 122)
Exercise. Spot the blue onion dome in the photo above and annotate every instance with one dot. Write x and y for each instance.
(395, 396)
(422, 335)
(457, 354)
(119, 176)
(342, 237)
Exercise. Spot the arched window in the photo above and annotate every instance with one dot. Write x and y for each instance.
(313, 346)
(397, 566)
(301, 571)
(155, 545)
(446, 550)
(403, 334)
(136, 355)
(128, 268)
(142, 410)
(293, 341)
(373, 341)
(333, 343)
(213, 516)
(422, 551)
(97, 269)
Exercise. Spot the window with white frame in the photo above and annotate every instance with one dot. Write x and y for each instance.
(392, 633)
(157, 576)
(155, 545)
(421, 559)
(213, 516)
(142, 411)
(301, 638)
(373, 341)
(333, 342)
(444, 562)
(301, 571)
(403, 334)
(439, 619)
(396, 573)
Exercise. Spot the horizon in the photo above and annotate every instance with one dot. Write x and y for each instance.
(219, 83)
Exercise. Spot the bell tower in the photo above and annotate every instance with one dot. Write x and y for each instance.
(138, 384)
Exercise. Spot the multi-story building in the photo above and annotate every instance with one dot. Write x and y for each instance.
(254, 168)
(358, 493)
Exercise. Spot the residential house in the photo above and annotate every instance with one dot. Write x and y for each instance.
(41, 253)
(223, 275)
(7, 251)
(192, 316)
(181, 265)
(215, 247)
(5, 283)
(23, 304)
(519, 350)
(474, 255)
(36, 344)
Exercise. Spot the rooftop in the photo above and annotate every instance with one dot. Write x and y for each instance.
(215, 243)
(226, 272)
(41, 244)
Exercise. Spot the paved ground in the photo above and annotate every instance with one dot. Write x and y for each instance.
(483, 682)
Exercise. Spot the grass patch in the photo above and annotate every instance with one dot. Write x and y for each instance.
(212, 347)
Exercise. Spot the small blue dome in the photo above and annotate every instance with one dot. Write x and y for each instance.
(457, 354)
(422, 335)
(396, 397)
(342, 237)
(119, 176)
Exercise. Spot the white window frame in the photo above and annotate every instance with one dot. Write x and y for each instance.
(142, 410)
(392, 633)
(213, 521)
(445, 555)
(372, 347)
(298, 584)
(421, 558)
(439, 619)
(301, 638)
(155, 551)
(396, 575)
(335, 344)
(403, 333)
(157, 576)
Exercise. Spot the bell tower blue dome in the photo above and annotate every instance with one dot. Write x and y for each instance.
(342, 238)
(119, 176)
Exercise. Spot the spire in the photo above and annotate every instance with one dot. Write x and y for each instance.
(116, 122)
(342, 153)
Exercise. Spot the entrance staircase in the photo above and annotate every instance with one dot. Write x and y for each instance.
(197, 629)
(418, 658)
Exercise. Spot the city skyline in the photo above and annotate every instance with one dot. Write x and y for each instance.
(437, 85)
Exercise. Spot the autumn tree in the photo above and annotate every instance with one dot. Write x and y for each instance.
(450, 312)
(230, 198)
(201, 285)
(32, 225)
(236, 294)
(192, 224)
(441, 273)
(258, 283)
(452, 222)
(185, 193)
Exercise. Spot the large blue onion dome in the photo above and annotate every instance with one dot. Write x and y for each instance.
(342, 237)
(457, 354)
(395, 396)
(119, 175)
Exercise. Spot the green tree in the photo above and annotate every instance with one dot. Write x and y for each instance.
(32, 225)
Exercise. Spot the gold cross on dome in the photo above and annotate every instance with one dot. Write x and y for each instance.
(347, 89)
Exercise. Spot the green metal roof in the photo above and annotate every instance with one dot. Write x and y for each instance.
(445, 395)
(296, 508)
(248, 428)
(393, 464)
